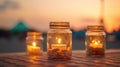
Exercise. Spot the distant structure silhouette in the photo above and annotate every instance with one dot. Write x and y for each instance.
(102, 12)
(20, 27)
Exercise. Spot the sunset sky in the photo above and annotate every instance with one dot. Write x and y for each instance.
(38, 13)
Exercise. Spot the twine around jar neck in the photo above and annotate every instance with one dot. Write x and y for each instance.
(59, 25)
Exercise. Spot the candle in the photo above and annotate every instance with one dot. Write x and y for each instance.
(59, 50)
(34, 49)
(96, 48)
(96, 44)
(59, 45)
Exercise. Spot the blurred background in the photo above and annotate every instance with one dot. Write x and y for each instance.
(17, 17)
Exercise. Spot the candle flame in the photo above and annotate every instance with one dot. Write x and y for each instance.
(59, 40)
(34, 43)
(96, 44)
(96, 41)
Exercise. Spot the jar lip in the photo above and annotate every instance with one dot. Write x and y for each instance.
(59, 25)
(34, 33)
(95, 27)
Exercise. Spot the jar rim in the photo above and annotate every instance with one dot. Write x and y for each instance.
(95, 27)
(34, 33)
(60, 25)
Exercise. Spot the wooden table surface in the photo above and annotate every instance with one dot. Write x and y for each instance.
(111, 59)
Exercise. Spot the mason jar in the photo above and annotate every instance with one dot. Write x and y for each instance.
(59, 41)
(34, 43)
(95, 40)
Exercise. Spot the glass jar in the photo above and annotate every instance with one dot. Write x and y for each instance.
(95, 40)
(59, 41)
(34, 43)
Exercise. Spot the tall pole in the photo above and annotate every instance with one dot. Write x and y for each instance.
(102, 12)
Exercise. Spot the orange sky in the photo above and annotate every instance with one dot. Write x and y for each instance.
(38, 13)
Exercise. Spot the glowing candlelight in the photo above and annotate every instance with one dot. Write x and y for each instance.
(96, 44)
(96, 48)
(34, 49)
(59, 45)
(34, 44)
(59, 40)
